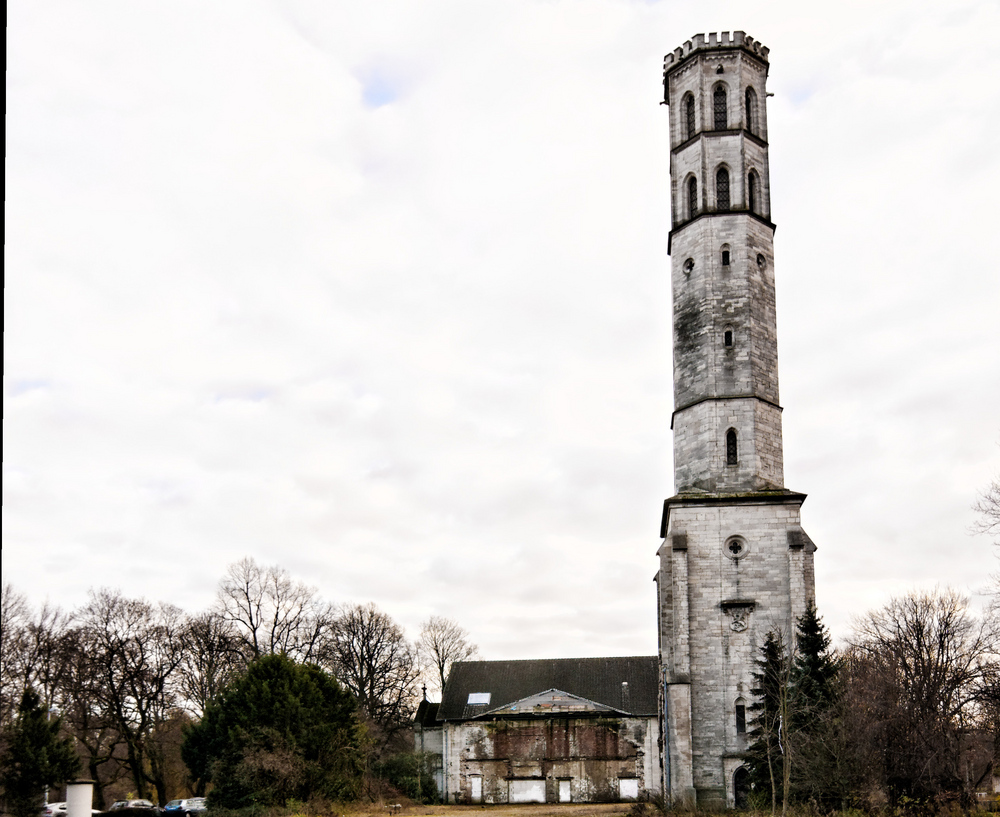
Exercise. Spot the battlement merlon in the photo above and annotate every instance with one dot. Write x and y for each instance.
(713, 42)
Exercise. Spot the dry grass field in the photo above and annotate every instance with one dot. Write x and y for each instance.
(526, 810)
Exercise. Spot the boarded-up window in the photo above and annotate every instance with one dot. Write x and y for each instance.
(565, 791)
(628, 788)
(527, 791)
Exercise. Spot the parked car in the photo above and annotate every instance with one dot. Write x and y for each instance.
(60, 810)
(118, 805)
(185, 808)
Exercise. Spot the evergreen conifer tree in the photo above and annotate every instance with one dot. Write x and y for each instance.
(36, 757)
(765, 757)
(814, 673)
(279, 731)
(814, 696)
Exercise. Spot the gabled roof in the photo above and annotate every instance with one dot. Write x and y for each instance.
(548, 702)
(496, 685)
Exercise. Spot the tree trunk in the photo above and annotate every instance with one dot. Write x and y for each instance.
(93, 764)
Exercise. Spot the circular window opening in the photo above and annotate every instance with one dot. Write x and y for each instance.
(761, 260)
(736, 548)
(688, 266)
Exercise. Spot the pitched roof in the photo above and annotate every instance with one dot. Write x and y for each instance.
(549, 702)
(495, 685)
(426, 713)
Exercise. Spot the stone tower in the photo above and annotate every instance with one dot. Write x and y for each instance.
(734, 562)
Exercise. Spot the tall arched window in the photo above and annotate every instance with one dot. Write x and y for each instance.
(692, 197)
(732, 452)
(741, 716)
(688, 116)
(722, 189)
(751, 105)
(719, 108)
(753, 192)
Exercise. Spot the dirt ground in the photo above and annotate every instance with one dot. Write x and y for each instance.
(526, 810)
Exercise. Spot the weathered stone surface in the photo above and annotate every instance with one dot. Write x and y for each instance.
(593, 754)
(735, 563)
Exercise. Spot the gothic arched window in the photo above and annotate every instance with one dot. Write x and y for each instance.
(753, 192)
(741, 716)
(722, 189)
(719, 108)
(692, 197)
(689, 116)
(732, 452)
(751, 105)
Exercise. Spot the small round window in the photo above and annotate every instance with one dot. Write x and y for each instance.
(736, 548)
(688, 266)
(761, 260)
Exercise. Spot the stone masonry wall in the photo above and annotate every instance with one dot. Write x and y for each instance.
(731, 604)
(735, 562)
(700, 447)
(740, 150)
(594, 754)
(709, 298)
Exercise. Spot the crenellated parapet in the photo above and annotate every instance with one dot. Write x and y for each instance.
(704, 42)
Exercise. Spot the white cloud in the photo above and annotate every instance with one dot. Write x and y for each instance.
(380, 293)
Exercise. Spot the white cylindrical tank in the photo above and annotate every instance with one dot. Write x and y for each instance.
(79, 797)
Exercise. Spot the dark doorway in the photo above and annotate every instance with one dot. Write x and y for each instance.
(741, 786)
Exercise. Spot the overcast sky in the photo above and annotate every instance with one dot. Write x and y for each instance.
(379, 292)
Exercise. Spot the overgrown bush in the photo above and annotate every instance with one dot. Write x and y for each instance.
(281, 731)
(411, 774)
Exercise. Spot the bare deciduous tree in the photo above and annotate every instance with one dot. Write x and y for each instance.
(136, 648)
(13, 621)
(923, 662)
(988, 508)
(32, 653)
(442, 642)
(271, 613)
(85, 712)
(370, 655)
(211, 655)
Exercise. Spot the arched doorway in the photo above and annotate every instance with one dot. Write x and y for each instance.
(741, 786)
